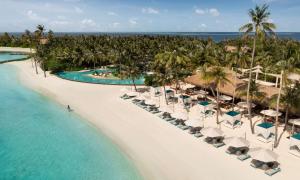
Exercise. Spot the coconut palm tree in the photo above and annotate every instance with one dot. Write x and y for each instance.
(255, 94)
(237, 59)
(218, 76)
(288, 65)
(261, 26)
(290, 99)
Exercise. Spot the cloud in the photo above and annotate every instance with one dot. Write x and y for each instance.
(133, 21)
(114, 25)
(59, 23)
(35, 17)
(78, 10)
(88, 23)
(203, 25)
(211, 11)
(200, 11)
(150, 11)
(214, 12)
(110, 13)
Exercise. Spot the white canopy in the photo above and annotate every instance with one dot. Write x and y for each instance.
(188, 86)
(124, 89)
(140, 98)
(294, 76)
(264, 155)
(295, 121)
(212, 132)
(245, 105)
(271, 113)
(225, 98)
(166, 109)
(180, 115)
(203, 92)
(150, 102)
(236, 142)
(132, 94)
(194, 123)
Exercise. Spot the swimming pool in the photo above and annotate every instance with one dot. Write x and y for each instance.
(86, 76)
(8, 56)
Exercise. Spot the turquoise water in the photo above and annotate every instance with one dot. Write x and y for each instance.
(84, 77)
(6, 56)
(39, 139)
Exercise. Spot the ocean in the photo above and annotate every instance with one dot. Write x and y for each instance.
(40, 139)
(216, 36)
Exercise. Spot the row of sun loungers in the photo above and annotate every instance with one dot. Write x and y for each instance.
(241, 153)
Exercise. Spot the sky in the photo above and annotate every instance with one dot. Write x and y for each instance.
(142, 15)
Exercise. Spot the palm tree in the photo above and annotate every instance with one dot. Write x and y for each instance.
(288, 65)
(237, 59)
(254, 94)
(290, 99)
(218, 76)
(260, 26)
(161, 73)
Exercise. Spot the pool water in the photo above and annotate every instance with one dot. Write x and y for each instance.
(85, 76)
(40, 139)
(6, 56)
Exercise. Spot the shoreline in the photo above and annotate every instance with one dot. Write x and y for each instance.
(157, 149)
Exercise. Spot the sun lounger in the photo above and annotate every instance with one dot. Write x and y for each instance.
(271, 172)
(243, 157)
(198, 135)
(208, 140)
(217, 145)
(231, 150)
(256, 164)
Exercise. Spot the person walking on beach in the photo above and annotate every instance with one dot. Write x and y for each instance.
(69, 108)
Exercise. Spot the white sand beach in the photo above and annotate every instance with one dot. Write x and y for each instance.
(16, 49)
(159, 150)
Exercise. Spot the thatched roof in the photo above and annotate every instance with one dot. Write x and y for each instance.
(228, 88)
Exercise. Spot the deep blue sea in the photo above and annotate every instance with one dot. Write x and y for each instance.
(41, 140)
(216, 36)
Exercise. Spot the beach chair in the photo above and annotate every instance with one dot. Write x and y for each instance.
(243, 157)
(217, 145)
(208, 140)
(256, 164)
(273, 171)
(198, 135)
(231, 150)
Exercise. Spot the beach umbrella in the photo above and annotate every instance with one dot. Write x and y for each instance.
(124, 89)
(245, 105)
(188, 86)
(150, 102)
(212, 132)
(194, 123)
(203, 92)
(225, 98)
(294, 77)
(140, 98)
(264, 155)
(271, 113)
(236, 142)
(132, 94)
(166, 109)
(180, 115)
(294, 122)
